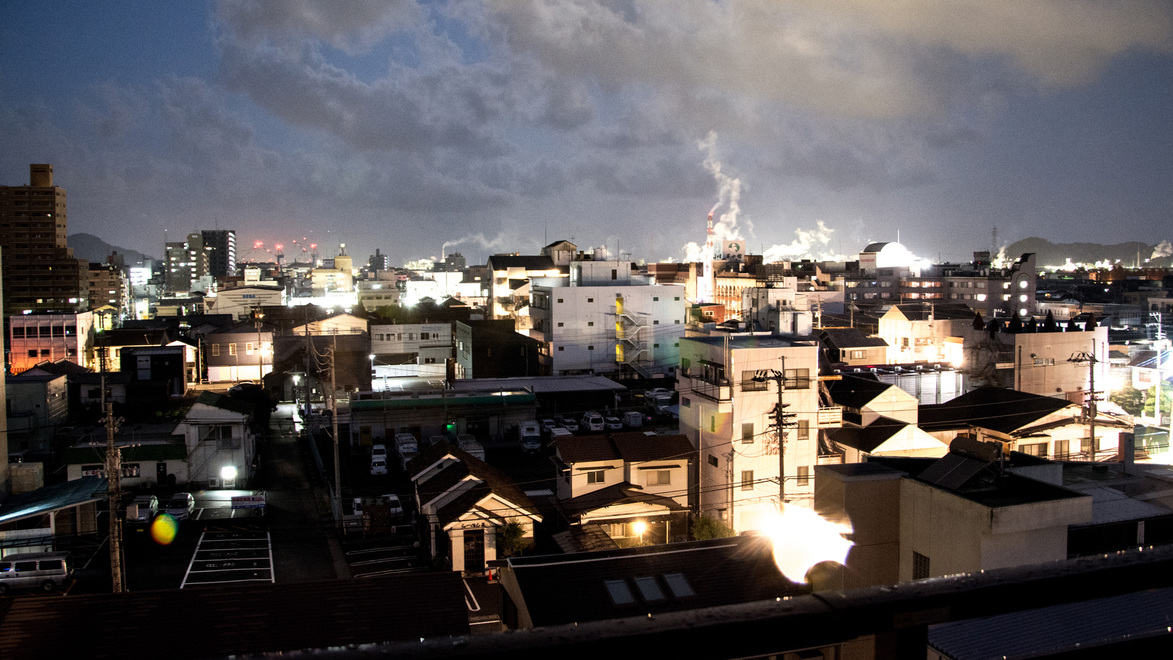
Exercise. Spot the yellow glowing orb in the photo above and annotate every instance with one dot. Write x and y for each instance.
(163, 529)
(803, 538)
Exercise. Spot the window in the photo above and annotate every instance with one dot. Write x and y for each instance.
(857, 355)
(685, 402)
(678, 585)
(798, 379)
(677, 299)
(590, 300)
(425, 335)
(1034, 449)
(804, 475)
(248, 348)
(747, 433)
(712, 423)
(747, 480)
(559, 300)
(215, 350)
(748, 384)
(430, 360)
(920, 566)
(561, 348)
(232, 349)
(33, 353)
(18, 332)
(713, 460)
(1062, 449)
(614, 274)
(560, 324)
(596, 477)
(655, 298)
(590, 324)
(803, 430)
(659, 477)
(655, 345)
(656, 322)
(590, 347)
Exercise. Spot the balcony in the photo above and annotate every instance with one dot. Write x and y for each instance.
(721, 390)
(830, 417)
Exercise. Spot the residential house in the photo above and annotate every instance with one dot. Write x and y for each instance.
(244, 352)
(634, 486)
(221, 447)
(1042, 426)
(851, 347)
(465, 505)
(492, 349)
(730, 387)
(879, 419)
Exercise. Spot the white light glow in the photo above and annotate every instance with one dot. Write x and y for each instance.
(803, 538)
(228, 472)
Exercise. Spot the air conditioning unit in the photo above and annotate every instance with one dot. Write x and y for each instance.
(213, 482)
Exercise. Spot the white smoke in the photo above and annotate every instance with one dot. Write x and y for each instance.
(1162, 249)
(477, 238)
(728, 194)
(811, 243)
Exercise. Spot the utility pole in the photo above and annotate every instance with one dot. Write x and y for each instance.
(1090, 359)
(782, 421)
(334, 422)
(114, 496)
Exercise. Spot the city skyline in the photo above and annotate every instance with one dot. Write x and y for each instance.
(810, 131)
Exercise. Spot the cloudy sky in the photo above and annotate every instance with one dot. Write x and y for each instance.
(810, 128)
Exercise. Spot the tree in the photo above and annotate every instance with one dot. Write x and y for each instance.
(1130, 399)
(511, 538)
(704, 528)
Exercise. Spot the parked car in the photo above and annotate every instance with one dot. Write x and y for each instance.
(181, 506)
(394, 506)
(613, 423)
(379, 464)
(547, 424)
(45, 571)
(142, 509)
(592, 421)
(568, 424)
(531, 437)
(379, 450)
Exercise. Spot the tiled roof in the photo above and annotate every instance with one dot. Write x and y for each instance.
(621, 493)
(856, 392)
(848, 338)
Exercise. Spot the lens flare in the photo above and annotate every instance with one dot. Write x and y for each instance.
(164, 528)
(803, 538)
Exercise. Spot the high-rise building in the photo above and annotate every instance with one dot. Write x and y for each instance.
(40, 271)
(220, 245)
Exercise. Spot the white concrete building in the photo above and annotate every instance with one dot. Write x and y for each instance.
(241, 301)
(726, 414)
(410, 349)
(607, 320)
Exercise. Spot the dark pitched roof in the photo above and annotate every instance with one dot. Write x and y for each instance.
(856, 392)
(50, 498)
(992, 408)
(226, 402)
(494, 480)
(571, 588)
(60, 367)
(871, 436)
(585, 538)
(621, 493)
(848, 338)
(628, 446)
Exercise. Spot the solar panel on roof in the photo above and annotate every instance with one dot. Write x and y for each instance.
(953, 470)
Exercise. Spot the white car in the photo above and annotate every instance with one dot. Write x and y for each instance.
(613, 423)
(181, 506)
(379, 464)
(379, 450)
(394, 506)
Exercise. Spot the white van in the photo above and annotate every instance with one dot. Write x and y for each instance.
(44, 571)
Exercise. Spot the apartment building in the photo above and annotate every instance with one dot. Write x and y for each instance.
(35, 338)
(39, 270)
(730, 387)
(607, 320)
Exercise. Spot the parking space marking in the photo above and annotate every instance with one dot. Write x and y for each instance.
(237, 556)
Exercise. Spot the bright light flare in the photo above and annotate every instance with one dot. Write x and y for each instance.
(164, 529)
(803, 538)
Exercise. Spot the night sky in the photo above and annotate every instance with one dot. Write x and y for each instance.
(812, 128)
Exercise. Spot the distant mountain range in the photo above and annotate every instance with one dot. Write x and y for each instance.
(1056, 254)
(95, 250)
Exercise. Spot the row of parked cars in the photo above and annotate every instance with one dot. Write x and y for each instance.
(143, 508)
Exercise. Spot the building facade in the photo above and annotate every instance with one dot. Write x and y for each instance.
(39, 270)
